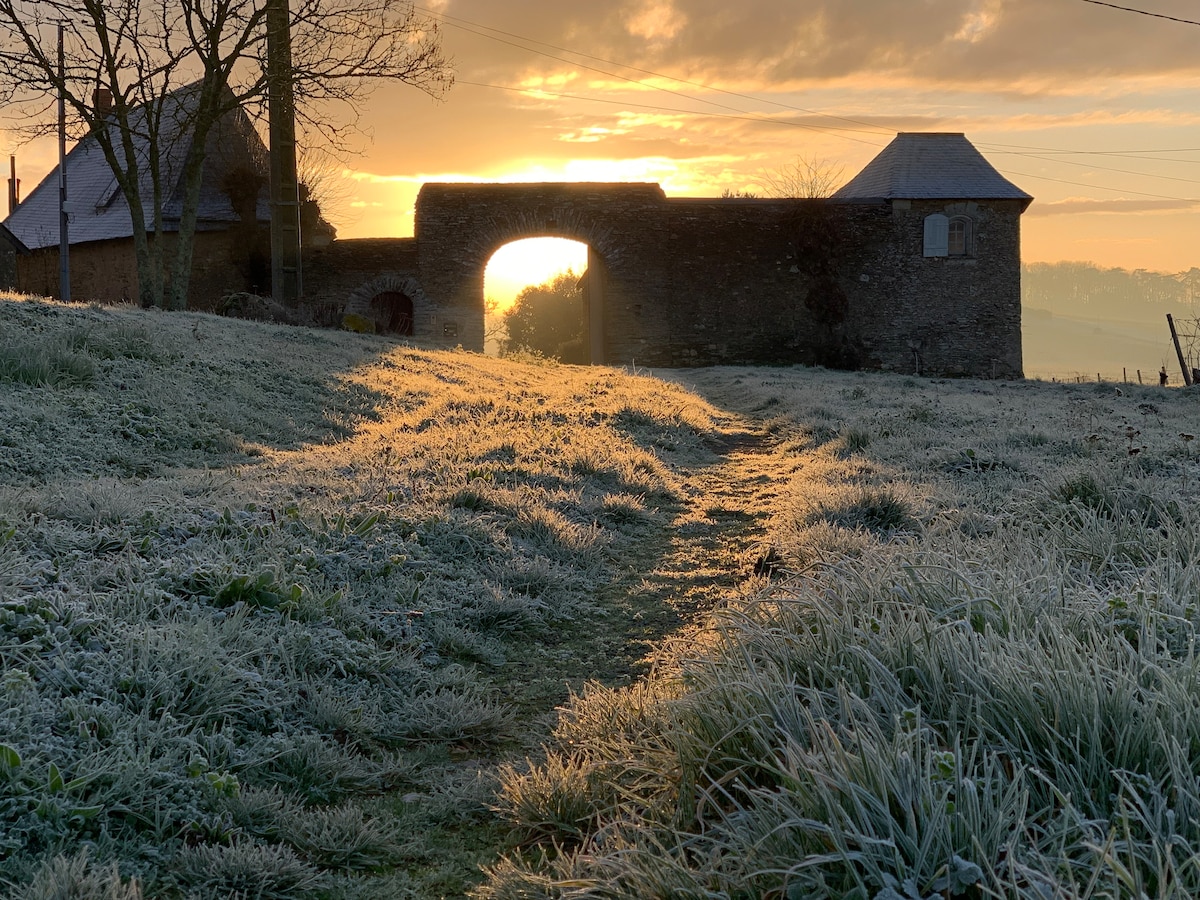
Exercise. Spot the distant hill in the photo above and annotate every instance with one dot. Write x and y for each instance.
(1080, 319)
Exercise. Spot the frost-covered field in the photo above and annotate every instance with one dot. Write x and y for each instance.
(273, 600)
(975, 674)
(286, 614)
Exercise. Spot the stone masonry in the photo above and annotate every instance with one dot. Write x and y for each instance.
(694, 282)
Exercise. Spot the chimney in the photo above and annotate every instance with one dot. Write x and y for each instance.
(102, 103)
(14, 185)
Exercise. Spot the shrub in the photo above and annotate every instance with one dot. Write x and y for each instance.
(45, 366)
(78, 878)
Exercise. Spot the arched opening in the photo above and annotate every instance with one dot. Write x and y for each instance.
(392, 312)
(540, 296)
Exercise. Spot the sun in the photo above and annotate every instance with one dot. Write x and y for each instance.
(529, 262)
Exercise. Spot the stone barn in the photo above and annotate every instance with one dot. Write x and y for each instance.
(913, 266)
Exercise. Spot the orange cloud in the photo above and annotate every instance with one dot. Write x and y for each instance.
(1089, 205)
(656, 20)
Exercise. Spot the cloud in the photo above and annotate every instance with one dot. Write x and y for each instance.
(592, 135)
(656, 20)
(1088, 206)
(996, 43)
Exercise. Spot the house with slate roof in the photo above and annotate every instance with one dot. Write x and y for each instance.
(232, 247)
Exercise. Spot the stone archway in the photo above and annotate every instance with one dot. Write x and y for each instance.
(392, 302)
(460, 226)
(393, 313)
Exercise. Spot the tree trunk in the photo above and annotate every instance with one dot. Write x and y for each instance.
(149, 275)
(207, 112)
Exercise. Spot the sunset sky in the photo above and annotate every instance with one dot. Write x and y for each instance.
(1094, 110)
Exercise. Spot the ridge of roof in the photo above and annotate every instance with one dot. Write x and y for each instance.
(930, 165)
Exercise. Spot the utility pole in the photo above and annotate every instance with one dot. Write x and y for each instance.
(64, 243)
(286, 275)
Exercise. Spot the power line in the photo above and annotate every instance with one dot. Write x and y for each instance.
(454, 20)
(1088, 165)
(869, 126)
(1132, 154)
(1142, 12)
(1100, 187)
(744, 115)
(585, 66)
(658, 108)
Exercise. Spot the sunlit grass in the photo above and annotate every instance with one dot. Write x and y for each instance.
(979, 682)
(253, 578)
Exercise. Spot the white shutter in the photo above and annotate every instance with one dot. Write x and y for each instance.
(937, 235)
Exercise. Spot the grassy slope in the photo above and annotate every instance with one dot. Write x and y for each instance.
(974, 675)
(275, 602)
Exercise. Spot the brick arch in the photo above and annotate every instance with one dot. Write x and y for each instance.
(358, 303)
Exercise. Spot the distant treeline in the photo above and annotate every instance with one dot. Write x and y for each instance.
(1084, 289)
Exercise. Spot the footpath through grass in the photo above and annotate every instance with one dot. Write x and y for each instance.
(276, 603)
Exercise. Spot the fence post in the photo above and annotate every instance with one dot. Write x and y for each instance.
(1187, 376)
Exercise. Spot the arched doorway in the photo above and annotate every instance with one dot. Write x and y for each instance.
(392, 312)
(543, 282)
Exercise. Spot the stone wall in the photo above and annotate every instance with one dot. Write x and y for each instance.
(8, 266)
(672, 282)
(955, 316)
(725, 281)
(345, 275)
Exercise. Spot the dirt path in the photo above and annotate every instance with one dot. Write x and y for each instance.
(696, 556)
(716, 545)
(699, 554)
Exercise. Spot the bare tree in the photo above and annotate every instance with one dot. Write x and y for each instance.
(189, 64)
(804, 178)
(322, 175)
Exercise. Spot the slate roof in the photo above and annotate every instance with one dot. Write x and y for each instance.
(98, 210)
(930, 166)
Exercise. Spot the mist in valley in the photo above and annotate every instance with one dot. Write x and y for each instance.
(1081, 320)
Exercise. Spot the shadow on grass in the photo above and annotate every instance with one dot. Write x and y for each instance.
(130, 393)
